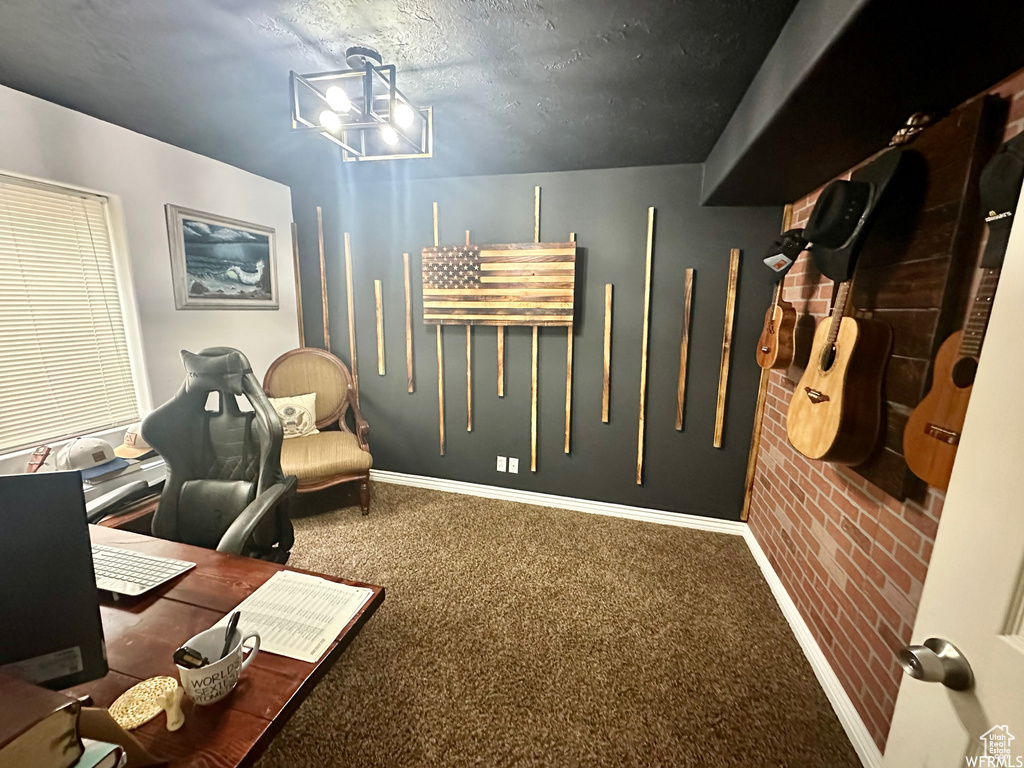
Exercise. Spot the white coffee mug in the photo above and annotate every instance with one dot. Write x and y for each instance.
(217, 679)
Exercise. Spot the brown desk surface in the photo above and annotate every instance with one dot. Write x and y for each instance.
(141, 636)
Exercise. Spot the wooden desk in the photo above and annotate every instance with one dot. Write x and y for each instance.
(137, 517)
(141, 636)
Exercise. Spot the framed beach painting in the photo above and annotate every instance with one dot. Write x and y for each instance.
(220, 263)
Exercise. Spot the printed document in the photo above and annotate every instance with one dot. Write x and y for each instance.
(298, 615)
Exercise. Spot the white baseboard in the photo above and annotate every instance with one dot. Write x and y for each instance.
(562, 502)
(847, 713)
(849, 717)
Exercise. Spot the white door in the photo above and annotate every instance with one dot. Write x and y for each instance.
(974, 593)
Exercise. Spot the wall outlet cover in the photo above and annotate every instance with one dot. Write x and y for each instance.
(513, 465)
(501, 463)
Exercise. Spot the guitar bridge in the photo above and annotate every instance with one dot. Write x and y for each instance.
(944, 435)
(815, 396)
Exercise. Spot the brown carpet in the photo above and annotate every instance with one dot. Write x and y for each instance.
(514, 635)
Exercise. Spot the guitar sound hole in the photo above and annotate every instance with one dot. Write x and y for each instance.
(964, 372)
(828, 356)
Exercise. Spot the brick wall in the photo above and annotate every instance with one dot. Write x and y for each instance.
(852, 558)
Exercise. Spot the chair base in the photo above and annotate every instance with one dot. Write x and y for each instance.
(277, 555)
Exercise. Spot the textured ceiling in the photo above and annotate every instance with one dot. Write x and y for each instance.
(516, 85)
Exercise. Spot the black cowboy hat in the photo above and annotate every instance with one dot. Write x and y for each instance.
(1000, 185)
(840, 219)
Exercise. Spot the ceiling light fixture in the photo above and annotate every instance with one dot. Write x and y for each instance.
(404, 115)
(338, 99)
(329, 120)
(361, 110)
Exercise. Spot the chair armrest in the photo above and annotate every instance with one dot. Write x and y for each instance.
(234, 538)
(362, 432)
(362, 428)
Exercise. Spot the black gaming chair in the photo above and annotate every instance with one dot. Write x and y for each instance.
(224, 489)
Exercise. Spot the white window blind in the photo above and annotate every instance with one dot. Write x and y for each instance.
(64, 365)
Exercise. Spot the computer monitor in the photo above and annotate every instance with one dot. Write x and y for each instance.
(49, 604)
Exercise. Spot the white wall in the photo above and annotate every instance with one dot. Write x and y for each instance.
(140, 175)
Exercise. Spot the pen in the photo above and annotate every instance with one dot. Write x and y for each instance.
(229, 633)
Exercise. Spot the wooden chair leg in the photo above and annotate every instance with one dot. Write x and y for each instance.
(364, 495)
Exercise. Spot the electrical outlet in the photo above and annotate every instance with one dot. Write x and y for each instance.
(501, 463)
(513, 465)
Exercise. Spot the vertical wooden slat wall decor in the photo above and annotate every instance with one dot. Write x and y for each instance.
(533, 403)
(351, 315)
(323, 277)
(755, 444)
(568, 386)
(536, 214)
(410, 384)
(469, 370)
(762, 394)
(378, 296)
(469, 378)
(440, 362)
(684, 350)
(436, 241)
(298, 284)
(606, 388)
(440, 390)
(643, 348)
(723, 373)
(533, 374)
(501, 361)
(568, 374)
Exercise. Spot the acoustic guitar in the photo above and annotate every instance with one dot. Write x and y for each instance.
(836, 411)
(775, 346)
(932, 434)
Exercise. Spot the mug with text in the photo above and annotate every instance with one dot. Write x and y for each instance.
(217, 679)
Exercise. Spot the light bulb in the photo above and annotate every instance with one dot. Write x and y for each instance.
(404, 115)
(389, 135)
(330, 120)
(338, 99)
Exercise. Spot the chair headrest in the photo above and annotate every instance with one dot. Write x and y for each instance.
(217, 368)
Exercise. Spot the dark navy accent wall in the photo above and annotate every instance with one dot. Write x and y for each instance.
(607, 209)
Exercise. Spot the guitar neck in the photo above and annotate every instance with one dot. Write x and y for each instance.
(777, 294)
(838, 311)
(977, 317)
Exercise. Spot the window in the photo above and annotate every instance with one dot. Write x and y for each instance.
(64, 364)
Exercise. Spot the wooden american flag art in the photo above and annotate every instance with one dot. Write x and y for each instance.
(523, 284)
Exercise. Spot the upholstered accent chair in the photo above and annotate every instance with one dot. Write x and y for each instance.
(339, 453)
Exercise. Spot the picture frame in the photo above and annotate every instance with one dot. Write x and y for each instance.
(221, 263)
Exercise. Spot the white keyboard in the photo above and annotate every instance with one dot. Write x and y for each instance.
(126, 572)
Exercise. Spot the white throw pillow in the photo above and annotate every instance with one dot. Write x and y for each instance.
(297, 414)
